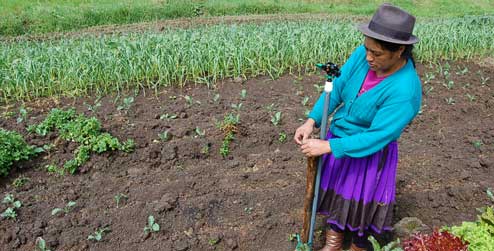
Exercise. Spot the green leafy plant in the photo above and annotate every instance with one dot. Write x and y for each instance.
(126, 104)
(216, 98)
(66, 209)
(119, 198)
(41, 244)
(98, 234)
(152, 226)
(213, 241)
(237, 107)
(13, 148)
(229, 127)
(243, 93)
(168, 116)
(55, 169)
(470, 97)
(276, 118)
(282, 137)
(200, 132)
(10, 212)
(205, 149)
(85, 131)
(450, 101)
(305, 101)
(164, 136)
(319, 88)
(22, 115)
(392, 246)
(94, 107)
(188, 100)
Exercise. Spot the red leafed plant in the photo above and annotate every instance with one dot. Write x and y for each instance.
(437, 241)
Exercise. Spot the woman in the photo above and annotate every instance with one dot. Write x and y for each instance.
(379, 93)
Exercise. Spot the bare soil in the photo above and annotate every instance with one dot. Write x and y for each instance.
(252, 199)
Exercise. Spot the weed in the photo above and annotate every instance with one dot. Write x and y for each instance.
(305, 101)
(98, 234)
(119, 197)
(213, 242)
(477, 144)
(483, 80)
(20, 181)
(152, 226)
(429, 77)
(229, 127)
(8, 114)
(276, 118)
(66, 209)
(248, 210)
(83, 130)
(55, 169)
(127, 102)
(164, 136)
(462, 72)
(22, 115)
(429, 90)
(282, 137)
(41, 244)
(243, 94)
(13, 148)
(490, 194)
(205, 149)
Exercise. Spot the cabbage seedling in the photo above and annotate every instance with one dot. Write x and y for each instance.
(152, 226)
(66, 209)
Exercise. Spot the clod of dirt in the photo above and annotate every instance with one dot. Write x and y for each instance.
(408, 226)
(231, 244)
(166, 203)
(181, 245)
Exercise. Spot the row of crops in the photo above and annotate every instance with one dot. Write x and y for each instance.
(74, 67)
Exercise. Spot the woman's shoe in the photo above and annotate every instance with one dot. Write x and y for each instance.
(355, 248)
(334, 241)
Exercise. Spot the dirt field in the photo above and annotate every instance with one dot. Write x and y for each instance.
(251, 200)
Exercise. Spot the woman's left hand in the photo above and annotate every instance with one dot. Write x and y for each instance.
(315, 147)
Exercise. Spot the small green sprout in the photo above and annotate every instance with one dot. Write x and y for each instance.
(168, 116)
(450, 101)
(213, 242)
(243, 94)
(10, 213)
(237, 107)
(282, 137)
(216, 98)
(470, 97)
(200, 132)
(22, 115)
(41, 244)
(276, 118)
(98, 234)
(66, 209)
(188, 100)
(127, 102)
(477, 144)
(119, 197)
(205, 149)
(152, 226)
(164, 136)
(305, 101)
(55, 169)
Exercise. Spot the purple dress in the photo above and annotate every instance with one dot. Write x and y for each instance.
(358, 194)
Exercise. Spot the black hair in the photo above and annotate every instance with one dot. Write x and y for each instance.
(407, 53)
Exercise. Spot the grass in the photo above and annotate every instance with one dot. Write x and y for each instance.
(18, 17)
(99, 65)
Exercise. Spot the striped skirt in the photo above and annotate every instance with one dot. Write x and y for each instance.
(358, 194)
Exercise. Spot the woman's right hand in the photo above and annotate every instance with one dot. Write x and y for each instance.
(304, 131)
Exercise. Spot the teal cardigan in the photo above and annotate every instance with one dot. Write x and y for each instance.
(365, 124)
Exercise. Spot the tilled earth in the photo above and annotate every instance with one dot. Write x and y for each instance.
(252, 199)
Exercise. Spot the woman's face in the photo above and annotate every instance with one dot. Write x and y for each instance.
(380, 60)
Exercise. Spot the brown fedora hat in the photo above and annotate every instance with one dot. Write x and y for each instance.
(390, 24)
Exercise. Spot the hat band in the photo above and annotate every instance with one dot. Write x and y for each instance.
(388, 32)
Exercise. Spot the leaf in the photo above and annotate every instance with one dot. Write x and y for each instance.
(71, 204)
(489, 194)
(150, 220)
(56, 211)
(17, 204)
(156, 227)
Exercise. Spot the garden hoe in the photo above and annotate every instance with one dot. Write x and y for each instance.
(312, 190)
